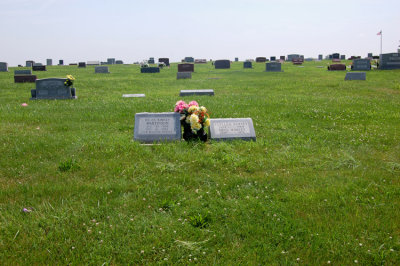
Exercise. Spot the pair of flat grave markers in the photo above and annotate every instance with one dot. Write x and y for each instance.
(152, 127)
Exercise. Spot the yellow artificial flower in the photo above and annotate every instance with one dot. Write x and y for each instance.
(193, 109)
(207, 123)
(195, 126)
(70, 77)
(194, 119)
(203, 109)
(188, 119)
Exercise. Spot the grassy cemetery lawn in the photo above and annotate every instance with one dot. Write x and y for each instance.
(320, 185)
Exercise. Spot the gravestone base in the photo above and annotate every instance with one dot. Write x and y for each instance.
(24, 78)
(356, 76)
(184, 75)
(196, 92)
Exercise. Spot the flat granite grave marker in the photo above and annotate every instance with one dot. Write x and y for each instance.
(23, 72)
(52, 88)
(3, 67)
(361, 64)
(247, 64)
(355, 76)
(196, 92)
(232, 128)
(389, 61)
(38, 68)
(49, 62)
(273, 67)
(81, 64)
(133, 95)
(151, 127)
(101, 69)
(185, 68)
(222, 64)
(150, 70)
(24, 78)
(184, 75)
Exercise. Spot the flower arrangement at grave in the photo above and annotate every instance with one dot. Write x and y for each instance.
(69, 81)
(194, 120)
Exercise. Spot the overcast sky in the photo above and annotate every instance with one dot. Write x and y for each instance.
(133, 30)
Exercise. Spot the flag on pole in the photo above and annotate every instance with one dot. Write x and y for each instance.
(379, 33)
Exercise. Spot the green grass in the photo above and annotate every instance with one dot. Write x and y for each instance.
(321, 183)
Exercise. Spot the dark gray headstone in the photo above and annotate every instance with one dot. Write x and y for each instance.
(150, 70)
(236, 59)
(196, 92)
(189, 59)
(361, 64)
(3, 67)
(23, 72)
(60, 62)
(110, 61)
(389, 61)
(282, 57)
(49, 62)
(164, 60)
(247, 64)
(342, 57)
(101, 69)
(222, 64)
(151, 127)
(272, 58)
(232, 128)
(261, 59)
(335, 56)
(370, 55)
(320, 57)
(52, 88)
(355, 76)
(119, 62)
(290, 57)
(24, 78)
(29, 63)
(38, 68)
(273, 67)
(81, 64)
(185, 68)
(184, 75)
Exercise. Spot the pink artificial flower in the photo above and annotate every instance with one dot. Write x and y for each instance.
(24, 104)
(193, 103)
(180, 102)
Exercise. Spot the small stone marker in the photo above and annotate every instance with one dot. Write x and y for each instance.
(272, 58)
(236, 59)
(232, 128)
(342, 57)
(361, 64)
(356, 76)
(184, 75)
(273, 67)
(261, 59)
(93, 63)
(247, 64)
(23, 72)
(389, 61)
(3, 67)
(370, 55)
(119, 62)
(222, 64)
(185, 68)
(189, 59)
(196, 92)
(320, 57)
(49, 62)
(133, 95)
(110, 61)
(101, 69)
(150, 70)
(29, 63)
(52, 88)
(39, 68)
(81, 64)
(60, 62)
(24, 78)
(335, 67)
(151, 127)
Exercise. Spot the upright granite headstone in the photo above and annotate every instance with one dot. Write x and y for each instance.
(49, 62)
(164, 60)
(23, 72)
(151, 60)
(3, 67)
(150, 70)
(342, 57)
(183, 75)
(247, 64)
(39, 68)
(290, 57)
(222, 64)
(110, 61)
(189, 59)
(24, 78)
(389, 61)
(355, 76)
(236, 59)
(273, 67)
(335, 56)
(29, 63)
(60, 62)
(282, 57)
(119, 62)
(361, 64)
(101, 69)
(81, 64)
(152, 127)
(200, 61)
(52, 88)
(320, 57)
(272, 58)
(196, 92)
(261, 59)
(185, 67)
(232, 128)
(337, 67)
(370, 55)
